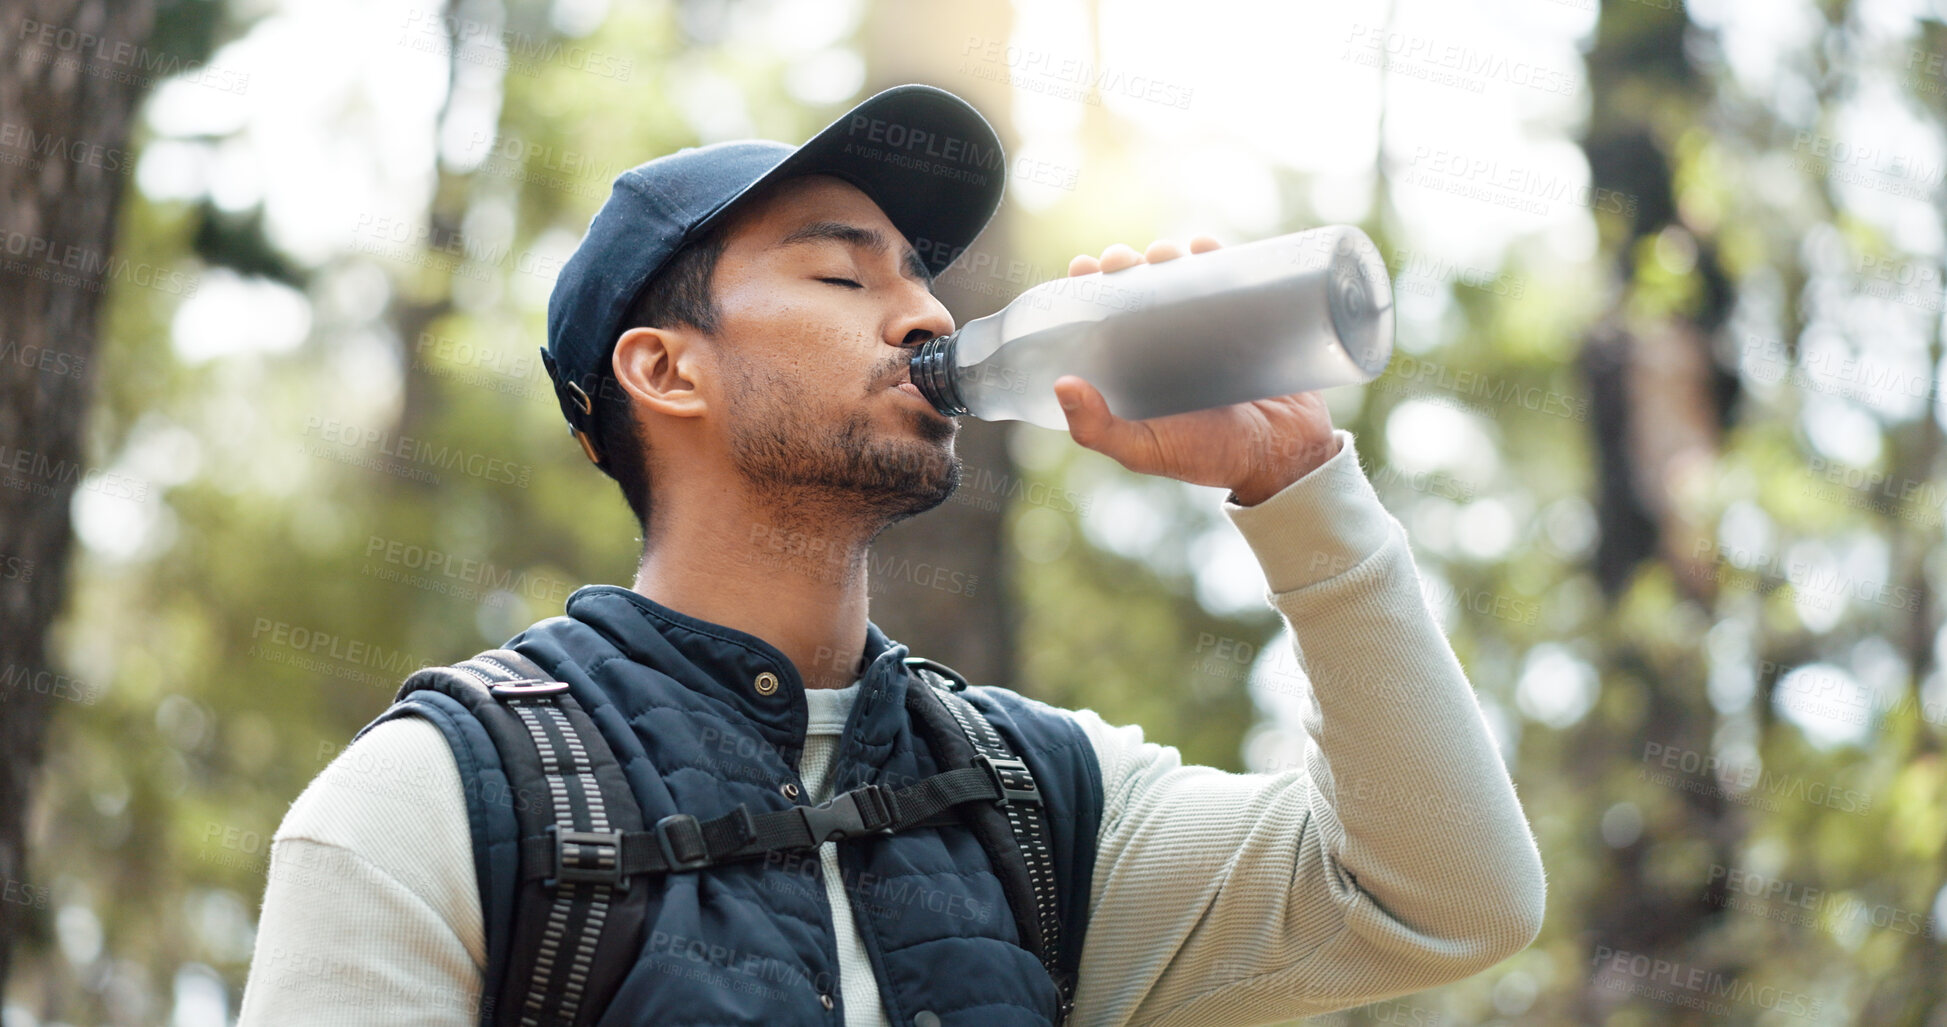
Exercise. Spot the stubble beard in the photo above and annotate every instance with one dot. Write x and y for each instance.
(847, 469)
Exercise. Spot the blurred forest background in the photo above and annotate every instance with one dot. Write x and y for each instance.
(1664, 427)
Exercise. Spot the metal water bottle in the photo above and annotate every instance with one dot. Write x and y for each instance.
(1293, 313)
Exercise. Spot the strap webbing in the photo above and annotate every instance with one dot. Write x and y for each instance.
(1028, 819)
(580, 907)
(682, 843)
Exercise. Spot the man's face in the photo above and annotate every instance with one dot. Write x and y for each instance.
(821, 300)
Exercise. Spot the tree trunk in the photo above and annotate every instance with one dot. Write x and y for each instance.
(66, 90)
(1659, 407)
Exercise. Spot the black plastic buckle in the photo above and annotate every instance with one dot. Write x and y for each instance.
(877, 808)
(1009, 793)
(587, 857)
(1065, 991)
(527, 689)
(863, 810)
(953, 679)
(682, 842)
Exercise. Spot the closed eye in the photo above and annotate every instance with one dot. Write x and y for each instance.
(843, 281)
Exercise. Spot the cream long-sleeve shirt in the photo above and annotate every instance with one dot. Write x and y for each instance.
(1395, 859)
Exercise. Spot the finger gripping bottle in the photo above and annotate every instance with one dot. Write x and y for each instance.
(1289, 314)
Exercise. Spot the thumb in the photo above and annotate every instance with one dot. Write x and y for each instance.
(1090, 423)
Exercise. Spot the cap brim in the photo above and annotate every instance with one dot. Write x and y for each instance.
(925, 156)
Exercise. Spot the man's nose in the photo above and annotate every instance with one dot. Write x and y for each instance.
(927, 319)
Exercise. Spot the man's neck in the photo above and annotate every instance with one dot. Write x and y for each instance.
(796, 580)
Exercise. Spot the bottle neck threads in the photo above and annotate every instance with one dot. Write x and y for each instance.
(932, 371)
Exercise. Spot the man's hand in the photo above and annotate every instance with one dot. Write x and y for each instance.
(1255, 448)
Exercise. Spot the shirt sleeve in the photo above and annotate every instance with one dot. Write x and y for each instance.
(1395, 859)
(371, 912)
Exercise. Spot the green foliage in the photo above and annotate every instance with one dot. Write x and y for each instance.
(275, 585)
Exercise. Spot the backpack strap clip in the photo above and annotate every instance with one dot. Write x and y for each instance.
(587, 857)
(864, 810)
(681, 839)
(514, 691)
(1011, 778)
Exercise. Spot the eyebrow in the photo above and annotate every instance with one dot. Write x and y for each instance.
(863, 238)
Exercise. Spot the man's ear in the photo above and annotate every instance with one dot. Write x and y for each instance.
(661, 369)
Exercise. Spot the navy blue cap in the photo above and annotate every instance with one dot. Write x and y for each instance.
(924, 155)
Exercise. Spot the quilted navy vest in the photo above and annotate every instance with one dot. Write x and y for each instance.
(677, 700)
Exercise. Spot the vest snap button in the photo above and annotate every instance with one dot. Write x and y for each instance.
(825, 1000)
(766, 683)
(790, 790)
(926, 1018)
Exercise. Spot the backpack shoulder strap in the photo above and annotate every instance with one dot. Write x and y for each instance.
(575, 922)
(1015, 831)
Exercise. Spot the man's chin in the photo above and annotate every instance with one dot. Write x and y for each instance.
(928, 472)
